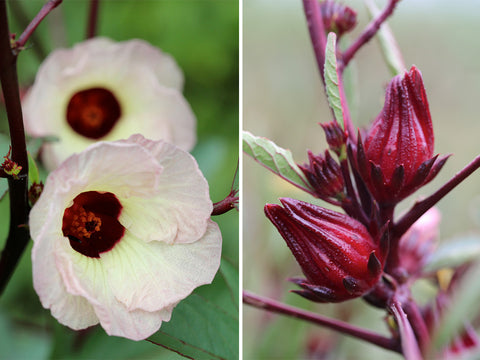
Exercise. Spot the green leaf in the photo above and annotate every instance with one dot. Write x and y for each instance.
(231, 277)
(200, 330)
(33, 175)
(34, 144)
(454, 253)
(464, 305)
(390, 50)
(332, 80)
(276, 159)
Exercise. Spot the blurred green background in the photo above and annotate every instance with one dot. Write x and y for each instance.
(202, 35)
(284, 101)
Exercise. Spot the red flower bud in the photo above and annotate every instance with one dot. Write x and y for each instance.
(336, 137)
(338, 256)
(324, 175)
(397, 156)
(337, 17)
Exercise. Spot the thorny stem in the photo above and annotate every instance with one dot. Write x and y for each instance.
(92, 19)
(367, 34)
(422, 206)
(340, 326)
(44, 11)
(18, 235)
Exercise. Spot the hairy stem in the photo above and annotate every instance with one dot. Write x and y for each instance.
(44, 11)
(18, 235)
(368, 33)
(92, 19)
(336, 325)
(424, 205)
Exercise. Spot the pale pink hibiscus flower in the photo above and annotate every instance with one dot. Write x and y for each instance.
(122, 233)
(104, 90)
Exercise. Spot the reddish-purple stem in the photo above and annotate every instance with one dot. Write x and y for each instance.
(230, 202)
(92, 19)
(317, 32)
(410, 347)
(422, 207)
(418, 323)
(227, 204)
(44, 11)
(318, 39)
(18, 234)
(336, 325)
(368, 33)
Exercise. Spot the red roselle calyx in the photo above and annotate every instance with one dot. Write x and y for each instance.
(324, 175)
(336, 138)
(338, 256)
(337, 17)
(397, 155)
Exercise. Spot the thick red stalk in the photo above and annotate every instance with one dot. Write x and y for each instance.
(421, 207)
(336, 325)
(368, 33)
(18, 235)
(92, 19)
(44, 11)
(317, 32)
(410, 348)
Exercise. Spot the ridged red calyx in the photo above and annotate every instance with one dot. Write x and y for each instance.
(397, 155)
(324, 175)
(337, 17)
(336, 137)
(338, 256)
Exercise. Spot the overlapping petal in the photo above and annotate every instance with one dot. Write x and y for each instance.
(131, 288)
(146, 83)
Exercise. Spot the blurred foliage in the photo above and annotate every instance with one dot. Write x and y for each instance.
(203, 38)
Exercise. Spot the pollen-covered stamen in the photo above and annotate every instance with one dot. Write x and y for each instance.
(91, 223)
(84, 224)
(93, 112)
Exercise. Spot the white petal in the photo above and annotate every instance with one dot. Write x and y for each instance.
(150, 105)
(153, 276)
(70, 310)
(88, 277)
(143, 54)
(120, 168)
(180, 210)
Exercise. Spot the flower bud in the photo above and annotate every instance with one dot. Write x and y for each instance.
(336, 137)
(324, 175)
(397, 156)
(337, 17)
(418, 243)
(338, 256)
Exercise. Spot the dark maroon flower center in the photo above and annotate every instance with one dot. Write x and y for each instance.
(91, 223)
(93, 112)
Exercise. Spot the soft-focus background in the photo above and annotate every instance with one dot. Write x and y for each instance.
(284, 101)
(203, 38)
